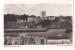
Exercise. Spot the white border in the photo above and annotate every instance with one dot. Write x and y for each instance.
(33, 2)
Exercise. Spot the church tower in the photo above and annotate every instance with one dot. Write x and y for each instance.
(43, 13)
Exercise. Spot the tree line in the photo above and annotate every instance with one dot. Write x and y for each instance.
(67, 24)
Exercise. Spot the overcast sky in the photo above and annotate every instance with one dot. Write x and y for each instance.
(35, 9)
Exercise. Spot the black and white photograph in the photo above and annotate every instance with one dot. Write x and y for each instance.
(38, 24)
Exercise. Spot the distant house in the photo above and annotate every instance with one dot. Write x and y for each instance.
(50, 17)
(32, 18)
(19, 21)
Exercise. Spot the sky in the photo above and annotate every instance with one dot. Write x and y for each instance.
(36, 9)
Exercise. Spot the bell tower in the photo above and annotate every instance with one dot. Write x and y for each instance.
(43, 14)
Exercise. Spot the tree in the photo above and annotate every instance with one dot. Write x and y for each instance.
(46, 23)
(24, 17)
(32, 16)
(10, 18)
